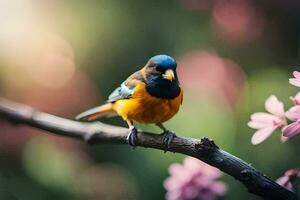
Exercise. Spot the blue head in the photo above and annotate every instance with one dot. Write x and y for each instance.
(161, 76)
(164, 61)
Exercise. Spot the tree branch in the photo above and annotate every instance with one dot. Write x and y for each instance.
(97, 132)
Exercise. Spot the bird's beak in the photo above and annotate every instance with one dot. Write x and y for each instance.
(169, 75)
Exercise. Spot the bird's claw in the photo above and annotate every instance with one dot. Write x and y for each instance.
(168, 137)
(132, 137)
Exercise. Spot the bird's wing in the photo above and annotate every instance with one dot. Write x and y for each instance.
(127, 87)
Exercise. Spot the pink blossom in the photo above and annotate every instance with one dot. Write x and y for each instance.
(193, 180)
(288, 178)
(267, 123)
(294, 115)
(294, 128)
(296, 80)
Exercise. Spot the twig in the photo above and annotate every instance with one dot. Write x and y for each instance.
(97, 132)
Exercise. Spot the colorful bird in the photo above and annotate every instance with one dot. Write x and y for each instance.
(150, 95)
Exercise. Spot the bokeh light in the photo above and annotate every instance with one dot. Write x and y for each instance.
(237, 21)
(208, 72)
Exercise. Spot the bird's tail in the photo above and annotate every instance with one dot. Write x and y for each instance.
(105, 110)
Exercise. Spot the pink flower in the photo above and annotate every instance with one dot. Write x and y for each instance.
(295, 81)
(193, 180)
(267, 123)
(293, 128)
(288, 178)
(294, 115)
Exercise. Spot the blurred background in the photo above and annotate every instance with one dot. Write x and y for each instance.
(65, 56)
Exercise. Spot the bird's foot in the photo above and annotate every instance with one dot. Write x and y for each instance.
(168, 137)
(132, 136)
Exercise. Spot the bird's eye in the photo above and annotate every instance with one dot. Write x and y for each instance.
(160, 68)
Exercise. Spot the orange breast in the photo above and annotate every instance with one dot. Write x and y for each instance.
(144, 108)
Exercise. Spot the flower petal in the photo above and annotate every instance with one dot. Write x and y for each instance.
(264, 118)
(285, 182)
(257, 124)
(296, 74)
(294, 81)
(291, 130)
(293, 113)
(274, 106)
(219, 188)
(262, 134)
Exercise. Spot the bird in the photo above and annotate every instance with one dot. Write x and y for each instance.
(151, 95)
